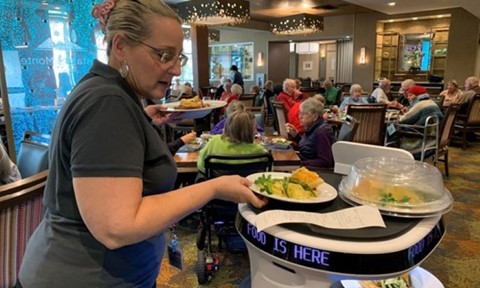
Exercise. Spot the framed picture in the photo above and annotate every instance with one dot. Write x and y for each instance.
(307, 65)
(260, 79)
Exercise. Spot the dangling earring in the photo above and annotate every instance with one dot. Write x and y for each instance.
(124, 69)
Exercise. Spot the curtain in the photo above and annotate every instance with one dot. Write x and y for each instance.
(344, 61)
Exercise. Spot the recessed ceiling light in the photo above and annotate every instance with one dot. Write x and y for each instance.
(391, 3)
(391, 20)
(440, 16)
(415, 18)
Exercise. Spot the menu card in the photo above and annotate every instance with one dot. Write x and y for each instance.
(349, 218)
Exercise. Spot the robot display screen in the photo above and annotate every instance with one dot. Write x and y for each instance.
(360, 264)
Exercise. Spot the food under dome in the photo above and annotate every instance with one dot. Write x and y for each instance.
(397, 186)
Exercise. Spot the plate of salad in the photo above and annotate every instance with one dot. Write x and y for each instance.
(284, 187)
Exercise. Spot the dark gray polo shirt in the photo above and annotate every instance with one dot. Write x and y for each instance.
(101, 131)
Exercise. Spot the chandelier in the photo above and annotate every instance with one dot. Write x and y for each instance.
(297, 24)
(213, 35)
(214, 12)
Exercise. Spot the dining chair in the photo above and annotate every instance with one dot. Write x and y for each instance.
(346, 153)
(281, 117)
(20, 214)
(348, 129)
(33, 154)
(248, 100)
(371, 129)
(469, 122)
(446, 131)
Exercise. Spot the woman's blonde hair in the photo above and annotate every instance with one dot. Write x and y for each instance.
(239, 127)
(132, 18)
(234, 106)
(237, 89)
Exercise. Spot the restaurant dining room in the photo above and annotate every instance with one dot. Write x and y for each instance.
(309, 143)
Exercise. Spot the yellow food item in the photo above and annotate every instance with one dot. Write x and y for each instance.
(307, 176)
(192, 103)
(383, 191)
(296, 191)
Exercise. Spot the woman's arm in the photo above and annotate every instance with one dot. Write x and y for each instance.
(117, 215)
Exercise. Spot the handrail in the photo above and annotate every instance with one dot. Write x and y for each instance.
(12, 199)
(23, 183)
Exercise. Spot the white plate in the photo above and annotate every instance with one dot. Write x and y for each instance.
(420, 278)
(195, 113)
(326, 191)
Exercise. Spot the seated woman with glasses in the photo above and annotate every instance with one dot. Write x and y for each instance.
(237, 139)
(315, 146)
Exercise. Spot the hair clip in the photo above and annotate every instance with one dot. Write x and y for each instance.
(102, 11)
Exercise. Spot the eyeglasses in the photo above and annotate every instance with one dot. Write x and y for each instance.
(166, 57)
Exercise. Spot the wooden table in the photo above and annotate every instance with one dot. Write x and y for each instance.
(283, 160)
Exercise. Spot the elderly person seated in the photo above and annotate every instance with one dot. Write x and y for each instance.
(421, 107)
(315, 146)
(289, 94)
(380, 93)
(330, 92)
(293, 115)
(355, 97)
(234, 106)
(471, 89)
(452, 93)
(237, 139)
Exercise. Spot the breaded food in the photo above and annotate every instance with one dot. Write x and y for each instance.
(307, 176)
(402, 281)
(192, 103)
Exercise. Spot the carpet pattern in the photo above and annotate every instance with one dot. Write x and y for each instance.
(455, 262)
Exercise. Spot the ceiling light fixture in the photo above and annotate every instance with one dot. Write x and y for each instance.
(213, 35)
(391, 3)
(297, 24)
(214, 12)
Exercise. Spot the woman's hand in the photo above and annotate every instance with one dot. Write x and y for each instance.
(291, 130)
(236, 189)
(159, 116)
(190, 137)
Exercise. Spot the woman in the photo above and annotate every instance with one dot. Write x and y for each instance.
(234, 94)
(452, 93)
(234, 106)
(237, 139)
(315, 146)
(355, 97)
(236, 76)
(421, 107)
(106, 200)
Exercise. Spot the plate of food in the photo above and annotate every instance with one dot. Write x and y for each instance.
(418, 277)
(195, 107)
(281, 143)
(193, 146)
(301, 186)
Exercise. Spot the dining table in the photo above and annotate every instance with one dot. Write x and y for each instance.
(284, 160)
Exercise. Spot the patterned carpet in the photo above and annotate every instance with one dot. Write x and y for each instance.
(456, 262)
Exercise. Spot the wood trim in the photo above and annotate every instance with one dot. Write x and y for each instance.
(17, 198)
(23, 183)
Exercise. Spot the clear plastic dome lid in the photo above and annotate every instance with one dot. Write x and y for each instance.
(398, 187)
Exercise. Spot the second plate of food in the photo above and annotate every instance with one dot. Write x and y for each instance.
(193, 108)
(280, 186)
